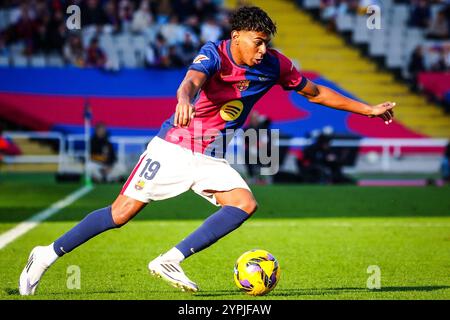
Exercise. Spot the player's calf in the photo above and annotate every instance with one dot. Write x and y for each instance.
(215, 227)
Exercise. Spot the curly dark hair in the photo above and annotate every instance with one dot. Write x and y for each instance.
(252, 19)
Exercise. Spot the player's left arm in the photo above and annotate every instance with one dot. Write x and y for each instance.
(330, 98)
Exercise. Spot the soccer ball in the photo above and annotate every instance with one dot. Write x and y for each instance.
(256, 272)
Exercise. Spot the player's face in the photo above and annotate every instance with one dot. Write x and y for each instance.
(251, 45)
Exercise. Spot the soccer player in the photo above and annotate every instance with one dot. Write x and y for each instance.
(221, 86)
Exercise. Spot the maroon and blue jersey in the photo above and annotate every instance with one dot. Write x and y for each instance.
(228, 95)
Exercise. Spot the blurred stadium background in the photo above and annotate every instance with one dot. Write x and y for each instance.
(128, 58)
(122, 69)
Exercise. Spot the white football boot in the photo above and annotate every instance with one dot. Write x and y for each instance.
(33, 271)
(171, 272)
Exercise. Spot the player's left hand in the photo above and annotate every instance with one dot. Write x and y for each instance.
(384, 111)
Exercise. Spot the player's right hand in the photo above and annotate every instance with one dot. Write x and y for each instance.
(184, 113)
(384, 111)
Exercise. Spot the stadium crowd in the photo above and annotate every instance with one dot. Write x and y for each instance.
(429, 60)
(436, 26)
(432, 60)
(174, 29)
(421, 16)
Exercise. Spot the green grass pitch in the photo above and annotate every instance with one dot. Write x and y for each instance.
(325, 238)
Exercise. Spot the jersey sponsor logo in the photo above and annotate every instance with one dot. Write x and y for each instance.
(243, 85)
(139, 185)
(263, 78)
(231, 110)
(200, 58)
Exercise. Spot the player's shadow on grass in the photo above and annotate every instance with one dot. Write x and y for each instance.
(333, 291)
(275, 293)
(217, 293)
(12, 292)
(322, 291)
(74, 293)
(15, 292)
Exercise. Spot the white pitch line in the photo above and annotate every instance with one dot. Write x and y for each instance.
(23, 227)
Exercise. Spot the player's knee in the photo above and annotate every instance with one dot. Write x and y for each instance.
(121, 215)
(124, 209)
(120, 218)
(249, 205)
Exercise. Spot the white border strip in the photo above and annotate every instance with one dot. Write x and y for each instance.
(23, 227)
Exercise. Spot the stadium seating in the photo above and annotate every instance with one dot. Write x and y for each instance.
(306, 40)
(19, 61)
(55, 61)
(38, 61)
(399, 39)
(126, 49)
(4, 61)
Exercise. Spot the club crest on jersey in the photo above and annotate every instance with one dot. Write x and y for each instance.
(231, 110)
(243, 85)
(139, 185)
(200, 58)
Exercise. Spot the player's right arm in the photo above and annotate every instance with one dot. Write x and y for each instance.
(188, 89)
(332, 99)
(290, 79)
(204, 65)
